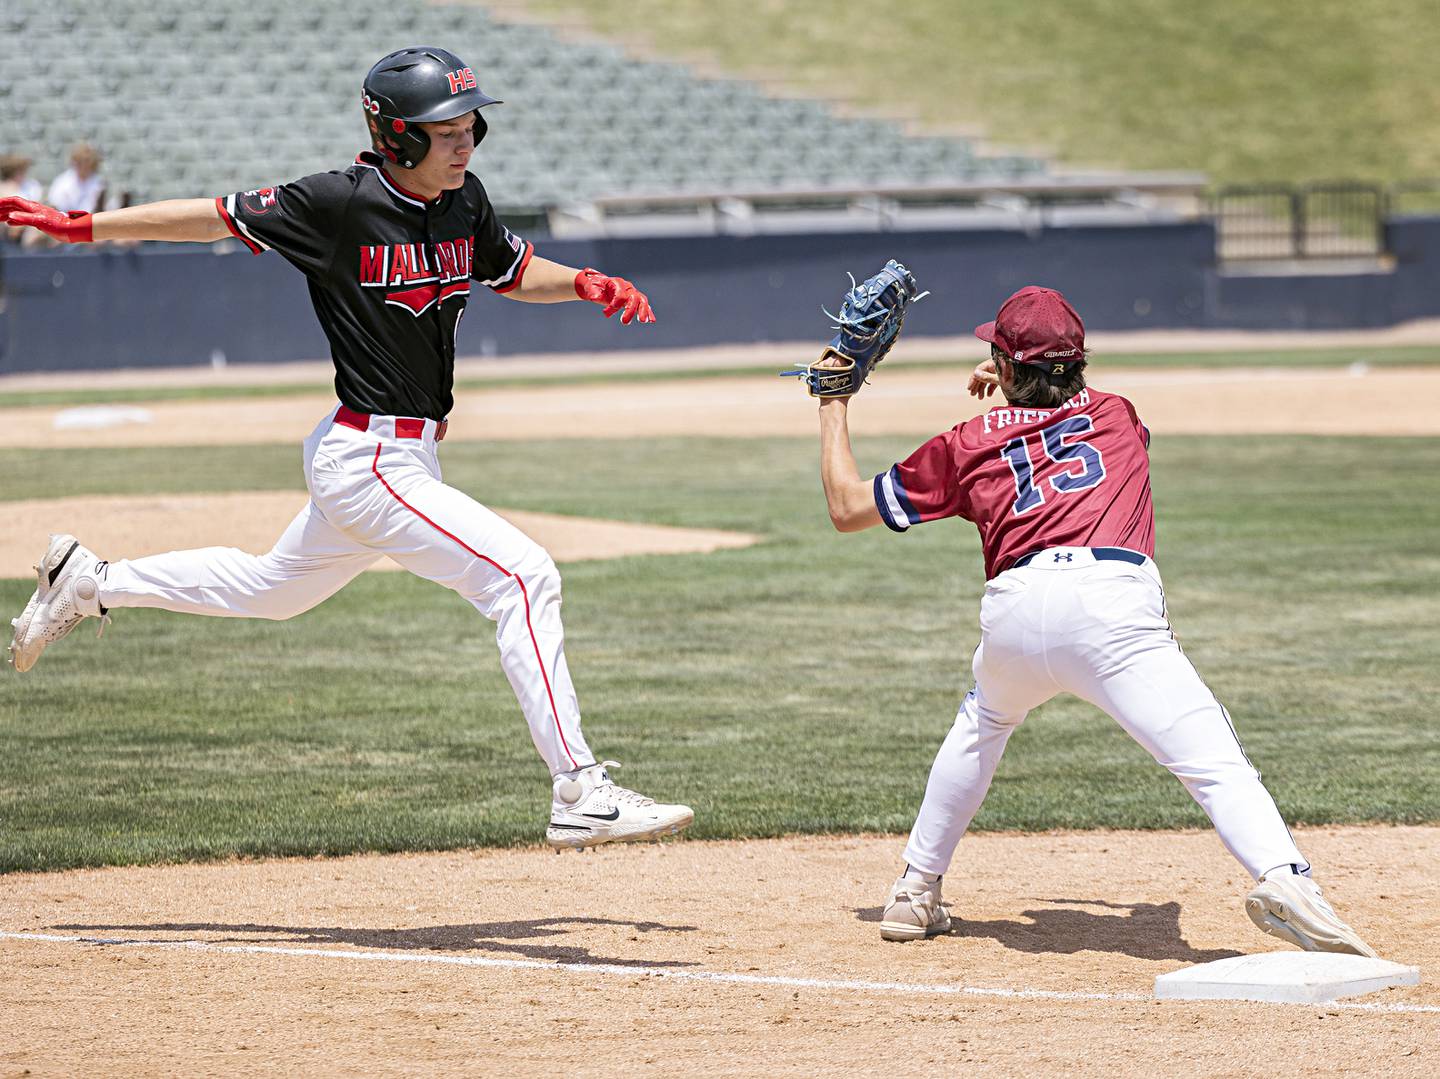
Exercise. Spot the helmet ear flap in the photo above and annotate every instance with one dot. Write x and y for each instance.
(393, 138)
(481, 127)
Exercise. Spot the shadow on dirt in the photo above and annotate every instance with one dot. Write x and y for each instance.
(1145, 931)
(511, 938)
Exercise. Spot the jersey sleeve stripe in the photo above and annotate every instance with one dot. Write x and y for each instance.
(902, 496)
(520, 271)
(226, 207)
(510, 279)
(892, 510)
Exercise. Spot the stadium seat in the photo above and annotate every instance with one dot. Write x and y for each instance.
(191, 93)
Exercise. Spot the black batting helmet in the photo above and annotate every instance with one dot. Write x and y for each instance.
(417, 86)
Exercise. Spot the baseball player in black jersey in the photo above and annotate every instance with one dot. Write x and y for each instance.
(391, 247)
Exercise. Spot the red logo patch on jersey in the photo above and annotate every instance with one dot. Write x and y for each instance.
(260, 201)
(463, 79)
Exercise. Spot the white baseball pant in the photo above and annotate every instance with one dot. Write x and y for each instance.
(376, 492)
(1068, 622)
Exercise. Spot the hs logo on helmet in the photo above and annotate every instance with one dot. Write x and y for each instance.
(463, 79)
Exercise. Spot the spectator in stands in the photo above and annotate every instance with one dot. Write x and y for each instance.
(15, 180)
(80, 187)
(15, 177)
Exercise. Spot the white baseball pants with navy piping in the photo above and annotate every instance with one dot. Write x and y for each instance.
(1096, 629)
(373, 494)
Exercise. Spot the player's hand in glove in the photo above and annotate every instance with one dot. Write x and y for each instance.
(868, 324)
(984, 380)
(616, 294)
(71, 228)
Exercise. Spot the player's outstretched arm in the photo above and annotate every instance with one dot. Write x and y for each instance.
(850, 499)
(551, 282)
(177, 220)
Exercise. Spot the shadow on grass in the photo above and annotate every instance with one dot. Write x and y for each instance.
(504, 937)
(1145, 931)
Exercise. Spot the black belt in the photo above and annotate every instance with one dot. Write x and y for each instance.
(1100, 554)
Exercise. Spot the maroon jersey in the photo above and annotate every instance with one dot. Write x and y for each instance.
(1033, 478)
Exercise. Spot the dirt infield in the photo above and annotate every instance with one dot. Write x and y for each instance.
(755, 958)
(1381, 401)
(148, 524)
(961, 350)
(743, 959)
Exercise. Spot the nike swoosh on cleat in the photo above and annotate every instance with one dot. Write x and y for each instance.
(614, 814)
(56, 571)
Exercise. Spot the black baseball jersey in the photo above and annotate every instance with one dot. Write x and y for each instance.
(389, 275)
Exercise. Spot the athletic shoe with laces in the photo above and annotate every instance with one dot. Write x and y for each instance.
(588, 808)
(914, 911)
(1290, 906)
(67, 590)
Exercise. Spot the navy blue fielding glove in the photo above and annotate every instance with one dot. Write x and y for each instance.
(868, 324)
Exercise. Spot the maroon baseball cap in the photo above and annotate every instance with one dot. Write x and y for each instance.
(1036, 325)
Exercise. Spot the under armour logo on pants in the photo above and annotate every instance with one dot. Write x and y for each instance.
(1064, 556)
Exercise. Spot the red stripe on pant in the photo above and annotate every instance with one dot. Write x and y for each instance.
(375, 468)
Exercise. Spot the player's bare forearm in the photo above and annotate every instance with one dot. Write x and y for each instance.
(850, 499)
(546, 282)
(176, 220)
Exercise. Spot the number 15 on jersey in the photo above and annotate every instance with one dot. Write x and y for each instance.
(1062, 443)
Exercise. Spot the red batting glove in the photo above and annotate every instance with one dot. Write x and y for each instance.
(71, 228)
(616, 294)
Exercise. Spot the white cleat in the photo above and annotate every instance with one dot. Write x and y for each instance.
(67, 590)
(1289, 906)
(914, 911)
(588, 809)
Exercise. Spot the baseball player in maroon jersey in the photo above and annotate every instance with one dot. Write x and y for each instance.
(390, 247)
(1057, 480)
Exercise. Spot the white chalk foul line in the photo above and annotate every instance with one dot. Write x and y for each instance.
(712, 976)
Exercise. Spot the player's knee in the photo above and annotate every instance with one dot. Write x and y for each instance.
(286, 586)
(1205, 774)
(977, 711)
(533, 584)
(542, 578)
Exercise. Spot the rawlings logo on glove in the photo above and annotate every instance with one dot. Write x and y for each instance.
(867, 326)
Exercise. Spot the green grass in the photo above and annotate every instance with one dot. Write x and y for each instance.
(1242, 91)
(1381, 356)
(799, 686)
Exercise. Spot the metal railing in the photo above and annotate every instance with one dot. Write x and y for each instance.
(1283, 221)
(1023, 199)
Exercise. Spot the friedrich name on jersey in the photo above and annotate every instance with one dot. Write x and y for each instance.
(1008, 416)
